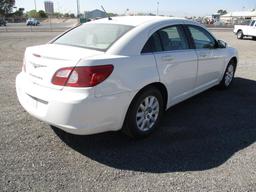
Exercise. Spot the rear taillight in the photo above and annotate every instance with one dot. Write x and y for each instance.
(88, 76)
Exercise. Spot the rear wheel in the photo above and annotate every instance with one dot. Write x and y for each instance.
(228, 75)
(144, 114)
(240, 35)
(254, 38)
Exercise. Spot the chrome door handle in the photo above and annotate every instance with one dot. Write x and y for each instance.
(203, 55)
(168, 58)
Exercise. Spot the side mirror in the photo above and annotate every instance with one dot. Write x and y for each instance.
(222, 44)
(210, 46)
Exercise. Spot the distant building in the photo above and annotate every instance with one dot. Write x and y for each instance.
(216, 17)
(49, 7)
(238, 17)
(95, 14)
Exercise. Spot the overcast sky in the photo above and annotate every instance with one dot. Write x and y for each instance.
(166, 7)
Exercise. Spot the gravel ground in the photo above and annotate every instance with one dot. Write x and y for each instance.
(206, 143)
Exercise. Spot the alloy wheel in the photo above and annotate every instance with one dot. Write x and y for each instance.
(229, 75)
(147, 113)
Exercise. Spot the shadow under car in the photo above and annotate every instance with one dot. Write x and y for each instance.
(198, 134)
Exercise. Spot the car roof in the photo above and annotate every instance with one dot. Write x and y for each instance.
(135, 20)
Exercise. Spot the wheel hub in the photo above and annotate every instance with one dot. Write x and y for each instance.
(229, 75)
(147, 113)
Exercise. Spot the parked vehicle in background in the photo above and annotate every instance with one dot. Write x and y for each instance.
(108, 75)
(2, 22)
(32, 21)
(246, 30)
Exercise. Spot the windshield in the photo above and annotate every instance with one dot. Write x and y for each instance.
(93, 36)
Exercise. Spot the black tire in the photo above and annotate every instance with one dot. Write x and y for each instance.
(224, 84)
(254, 38)
(240, 35)
(130, 127)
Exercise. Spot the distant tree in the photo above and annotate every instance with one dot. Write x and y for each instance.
(66, 15)
(112, 14)
(19, 12)
(141, 14)
(222, 12)
(81, 15)
(6, 7)
(57, 14)
(33, 14)
(42, 14)
(72, 15)
(152, 14)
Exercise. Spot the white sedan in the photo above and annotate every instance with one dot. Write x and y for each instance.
(121, 74)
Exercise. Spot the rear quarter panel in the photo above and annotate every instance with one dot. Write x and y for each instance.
(130, 74)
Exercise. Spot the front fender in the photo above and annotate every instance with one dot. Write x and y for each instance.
(231, 54)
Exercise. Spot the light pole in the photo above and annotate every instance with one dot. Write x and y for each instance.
(157, 10)
(126, 11)
(35, 4)
(78, 8)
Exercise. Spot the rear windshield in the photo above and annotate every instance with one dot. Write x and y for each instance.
(93, 36)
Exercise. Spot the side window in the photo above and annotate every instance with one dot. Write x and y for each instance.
(152, 45)
(202, 39)
(253, 22)
(173, 38)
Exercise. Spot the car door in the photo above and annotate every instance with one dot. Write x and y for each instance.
(252, 29)
(176, 62)
(210, 57)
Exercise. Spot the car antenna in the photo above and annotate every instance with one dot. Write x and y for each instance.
(109, 18)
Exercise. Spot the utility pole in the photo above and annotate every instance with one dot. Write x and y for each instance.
(78, 11)
(78, 8)
(157, 9)
(35, 4)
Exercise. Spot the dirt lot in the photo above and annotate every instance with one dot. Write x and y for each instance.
(204, 144)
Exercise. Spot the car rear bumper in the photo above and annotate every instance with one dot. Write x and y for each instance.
(76, 111)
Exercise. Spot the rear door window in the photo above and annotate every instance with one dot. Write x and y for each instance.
(173, 38)
(152, 45)
(167, 39)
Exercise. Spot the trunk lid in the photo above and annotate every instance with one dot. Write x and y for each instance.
(43, 61)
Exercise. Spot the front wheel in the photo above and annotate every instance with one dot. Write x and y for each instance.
(228, 75)
(240, 35)
(144, 114)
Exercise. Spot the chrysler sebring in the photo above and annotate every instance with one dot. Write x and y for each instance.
(121, 73)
